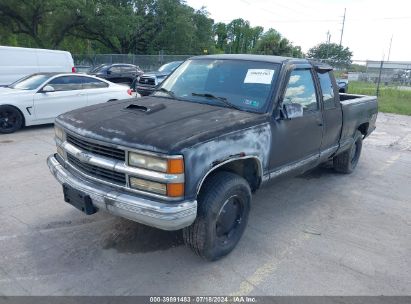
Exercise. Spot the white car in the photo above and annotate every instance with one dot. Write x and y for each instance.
(40, 98)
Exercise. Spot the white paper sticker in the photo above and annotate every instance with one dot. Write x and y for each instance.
(262, 76)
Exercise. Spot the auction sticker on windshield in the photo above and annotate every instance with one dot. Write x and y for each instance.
(262, 76)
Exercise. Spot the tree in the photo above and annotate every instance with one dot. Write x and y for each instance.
(131, 27)
(273, 43)
(332, 53)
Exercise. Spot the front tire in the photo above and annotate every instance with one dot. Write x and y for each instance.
(223, 208)
(11, 119)
(347, 161)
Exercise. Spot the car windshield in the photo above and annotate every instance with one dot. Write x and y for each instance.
(31, 82)
(241, 84)
(169, 67)
(98, 68)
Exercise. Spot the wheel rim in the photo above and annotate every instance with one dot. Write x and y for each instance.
(229, 219)
(8, 119)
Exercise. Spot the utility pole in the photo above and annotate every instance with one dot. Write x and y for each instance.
(389, 50)
(379, 76)
(343, 24)
(328, 43)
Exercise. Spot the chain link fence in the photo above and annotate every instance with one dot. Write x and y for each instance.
(145, 62)
(389, 80)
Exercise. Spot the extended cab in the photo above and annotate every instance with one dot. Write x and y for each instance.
(190, 155)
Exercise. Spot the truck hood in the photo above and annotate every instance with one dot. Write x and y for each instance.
(156, 124)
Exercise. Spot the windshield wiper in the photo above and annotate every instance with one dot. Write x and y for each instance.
(221, 99)
(170, 93)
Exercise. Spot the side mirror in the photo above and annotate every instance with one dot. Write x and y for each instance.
(48, 89)
(293, 110)
(108, 72)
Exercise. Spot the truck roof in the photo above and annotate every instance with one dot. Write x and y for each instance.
(263, 58)
(266, 58)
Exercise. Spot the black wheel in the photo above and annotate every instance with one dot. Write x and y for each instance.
(223, 208)
(10, 119)
(348, 160)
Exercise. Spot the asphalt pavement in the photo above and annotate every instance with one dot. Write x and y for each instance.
(321, 233)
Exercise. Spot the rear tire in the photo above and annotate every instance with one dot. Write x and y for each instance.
(223, 208)
(348, 160)
(11, 119)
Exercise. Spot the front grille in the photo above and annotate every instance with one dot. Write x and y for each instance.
(96, 148)
(97, 172)
(147, 81)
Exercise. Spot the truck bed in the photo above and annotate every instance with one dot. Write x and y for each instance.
(359, 112)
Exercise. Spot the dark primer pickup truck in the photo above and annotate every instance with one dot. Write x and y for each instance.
(218, 128)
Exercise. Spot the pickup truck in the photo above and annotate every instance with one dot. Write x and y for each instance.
(219, 127)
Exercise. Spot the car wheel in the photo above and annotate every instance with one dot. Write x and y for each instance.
(348, 160)
(10, 119)
(223, 208)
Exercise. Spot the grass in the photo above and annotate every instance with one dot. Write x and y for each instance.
(391, 99)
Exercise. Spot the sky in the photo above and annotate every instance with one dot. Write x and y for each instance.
(369, 25)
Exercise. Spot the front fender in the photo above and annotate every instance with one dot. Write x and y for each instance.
(201, 159)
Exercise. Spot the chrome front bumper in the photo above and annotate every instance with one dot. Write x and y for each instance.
(166, 216)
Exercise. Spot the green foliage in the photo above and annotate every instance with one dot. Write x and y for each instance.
(272, 43)
(131, 26)
(334, 54)
(391, 98)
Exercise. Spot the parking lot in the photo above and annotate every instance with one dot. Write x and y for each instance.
(318, 234)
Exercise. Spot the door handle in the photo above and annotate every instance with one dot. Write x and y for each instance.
(319, 122)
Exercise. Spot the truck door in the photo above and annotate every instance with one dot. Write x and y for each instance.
(332, 114)
(296, 142)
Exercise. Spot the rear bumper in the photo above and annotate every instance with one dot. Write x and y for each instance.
(166, 216)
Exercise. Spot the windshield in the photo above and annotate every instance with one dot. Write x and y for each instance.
(31, 82)
(98, 68)
(245, 85)
(169, 67)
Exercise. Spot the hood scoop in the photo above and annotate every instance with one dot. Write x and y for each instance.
(147, 110)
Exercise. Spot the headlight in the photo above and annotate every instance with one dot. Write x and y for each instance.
(59, 133)
(173, 166)
(145, 185)
(147, 162)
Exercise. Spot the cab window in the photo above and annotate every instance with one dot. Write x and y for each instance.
(301, 89)
(92, 83)
(327, 90)
(66, 83)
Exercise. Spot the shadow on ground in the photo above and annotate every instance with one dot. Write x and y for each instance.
(131, 237)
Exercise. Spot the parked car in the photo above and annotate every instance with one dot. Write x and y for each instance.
(148, 82)
(342, 85)
(190, 155)
(118, 73)
(39, 98)
(16, 63)
(83, 69)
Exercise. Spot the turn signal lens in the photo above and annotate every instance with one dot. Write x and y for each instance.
(175, 190)
(175, 166)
